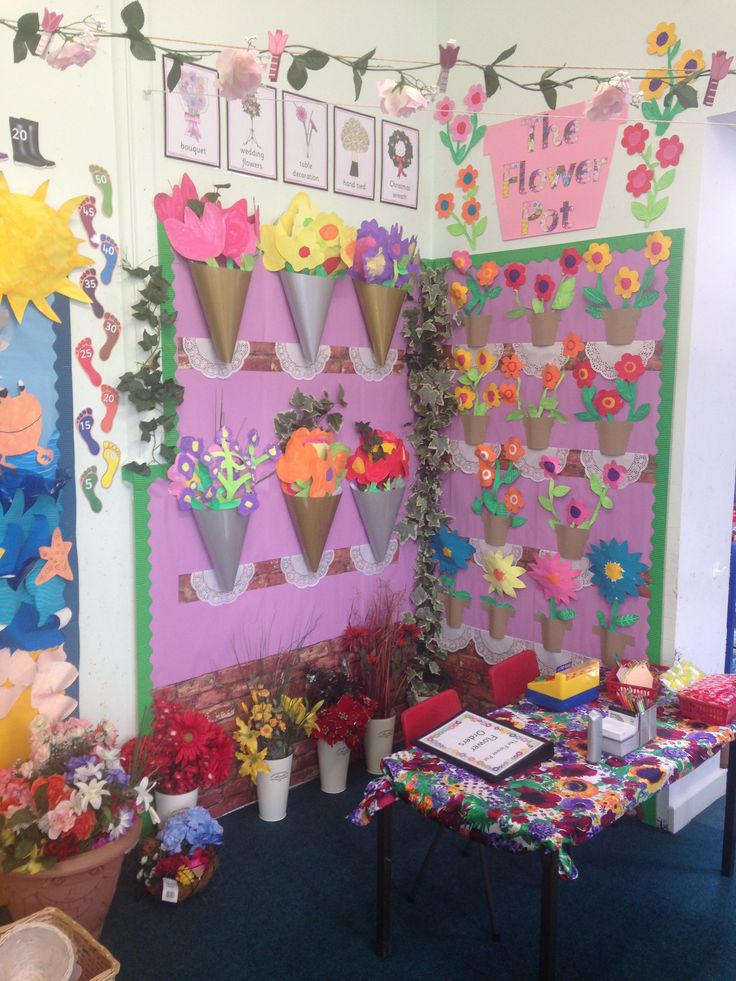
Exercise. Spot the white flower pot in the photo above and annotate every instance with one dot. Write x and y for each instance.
(333, 766)
(378, 742)
(273, 789)
(168, 804)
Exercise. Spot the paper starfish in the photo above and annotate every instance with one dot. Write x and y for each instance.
(56, 556)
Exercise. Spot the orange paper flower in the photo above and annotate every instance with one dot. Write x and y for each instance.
(513, 450)
(487, 273)
(513, 499)
(572, 345)
(507, 391)
(551, 375)
(511, 366)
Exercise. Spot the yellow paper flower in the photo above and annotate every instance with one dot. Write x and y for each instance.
(657, 247)
(691, 61)
(484, 361)
(306, 239)
(597, 256)
(654, 85)
(626, 282)
(37, 250)
(491, 397)
(502, 576)
(661, 39)
(458, 294)
(463, 359)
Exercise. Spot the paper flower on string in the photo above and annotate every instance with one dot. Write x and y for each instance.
(380, 461)
(276, 47)
(720, 65)
(240, 72)
(502, 576)
(383, 256)
(314, 464)
(617, 572)
(398, 98)
(309, 241)
(77, 52)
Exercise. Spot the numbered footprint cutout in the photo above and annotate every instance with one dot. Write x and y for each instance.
(110, 250)
(89, 284)
(84, 353)
(102, 179)
(88, 482)
(112, 327)
(110, 401)
(111, 456)
(85, 422)
(87, 213)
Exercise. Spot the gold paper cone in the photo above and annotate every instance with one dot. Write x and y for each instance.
(381, 306)
(222, 294)
(312, 519)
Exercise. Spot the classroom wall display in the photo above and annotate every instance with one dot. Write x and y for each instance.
(252, 143)
(192, 115)
(305, 141)
(354, 161)
(563, 494)
(399, 164)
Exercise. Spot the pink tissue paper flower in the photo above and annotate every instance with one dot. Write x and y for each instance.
(242, 231)
(51, 20)
(198, 238)
(77, 52)
(444, 109)
(173, 205)
(240, 72)
(399, 100)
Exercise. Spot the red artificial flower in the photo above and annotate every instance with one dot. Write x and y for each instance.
(639, 180)
(584, 374)
(515, 275)
(635, 139)
(380, 458)
(345, 720)
(608, 402)
(84, 825)
(630, 367)
(570, 261)
(670, 151)
(544, 287)
(189, 732)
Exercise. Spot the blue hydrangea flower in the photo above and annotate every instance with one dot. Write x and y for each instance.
(617, 572)
(452, 551)
(195, 827)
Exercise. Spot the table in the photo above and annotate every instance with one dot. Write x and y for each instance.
(549, 807)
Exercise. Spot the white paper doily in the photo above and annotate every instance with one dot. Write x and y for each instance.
(364, 562)
(529, 463)
(452, 639)
(492, 650)
(633, 463)
(366, 365)
(208, 590)
(604, 356)
(292, 360)
(533, 359)
(297, 574)
(203, 358)
(482, 547)
(463, 455)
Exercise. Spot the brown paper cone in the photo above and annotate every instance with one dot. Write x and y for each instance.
(381, 306)
(312, 518)
(544, 327)
(538, 432)
(613, 437)
(222, 294)
(621, 325)
(477, 329)
(495, 528)
(613, 646)
(454, 609)
(474, 429)
(571, 542)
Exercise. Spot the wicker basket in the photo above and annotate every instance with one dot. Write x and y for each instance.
(186, 891)
(96, 962)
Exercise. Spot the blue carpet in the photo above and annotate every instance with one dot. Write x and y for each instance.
(295, 900)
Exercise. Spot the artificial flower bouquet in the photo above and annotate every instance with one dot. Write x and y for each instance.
(504, 578)
(306, 240)
(550, 297)
(470, 294)
(558, 580)
(495, 472)
(184, 751)
(345, 708)
(452, 552)
(182, 858)
(271, 723)
(71, 795)
(313, 464)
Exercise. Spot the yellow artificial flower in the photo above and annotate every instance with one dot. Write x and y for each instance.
(484, 361)
(266, 731)
(491, 397)
(502, 576)
(654, 85)
(458, 294)
(465, 398)
(463, 359)
(626, 282)
(661, 39)
(597, 256)
(691, 61)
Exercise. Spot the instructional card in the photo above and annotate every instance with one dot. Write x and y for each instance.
(305, 141)
(355, 154)
(251, 134)
(399, 164)
(192, 115)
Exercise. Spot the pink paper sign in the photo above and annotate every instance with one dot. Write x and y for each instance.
(550, 170)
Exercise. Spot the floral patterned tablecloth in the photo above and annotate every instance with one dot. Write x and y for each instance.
(556, 804)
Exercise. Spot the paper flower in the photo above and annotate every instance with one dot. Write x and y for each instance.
(577, 513)
(399, 98)
(476, 288)
(240, 72)
(720, 65)
(617, 572)
(451, 551)
(550, 465)
(614, 475)
(502, 576)
(313, 465)
(661, 39)
(657, 247)
(383, 256)
(468, 397)
(380, 461)
(173, 205)
(306, 240)
(556, 577)
(276, 47)
(546, 290)
(77, 52)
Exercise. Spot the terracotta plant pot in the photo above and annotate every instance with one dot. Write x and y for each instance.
(498, 618)
(613, 437)
(621, 325)
(495, 528)
(537, 432)
(477, 329)
(474, 429)
(381, 306)
(553, 632)
(222, 294)
(544, 327)
(82, 886)
(613, 646)
(454, 609)
(312, 518)
(571, 542)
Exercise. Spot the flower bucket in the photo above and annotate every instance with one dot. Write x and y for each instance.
(613, 437)
(378, 512)
(273, 789)
(333, 766)
(454, 609)
(474, 429)
(477, 329)
(381, 306)
(378, 742)
(223, 533)
(495, 528)
(498, 619)
(621, 325)
(571, 542)
(81, 886)
(168, 804)
(613, 646)
(553, 633)
(309, 301)
(312, 519)
(537, 432)
(222, 294)
(544, 327)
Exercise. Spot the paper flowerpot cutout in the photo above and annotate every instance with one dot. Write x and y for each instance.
(631, 295)
(470, 294)
(377, 472)
(472, 405)
(604, 406)
(37, 250)
(573, 528)
(499, 513)
(550, 297)
(21, 424)
(452, 552)
(384, 266)
(558, 581)
(221, 246)
(311, 249)
(503, 578)
(217, 483)
(617, 574)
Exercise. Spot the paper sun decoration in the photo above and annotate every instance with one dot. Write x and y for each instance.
(308, 241)
(314, 464)
(380, 461)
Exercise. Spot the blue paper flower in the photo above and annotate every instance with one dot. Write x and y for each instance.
(616, 570)
(452, 551)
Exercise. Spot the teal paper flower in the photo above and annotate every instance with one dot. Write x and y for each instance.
(616, 570)
(452, 551)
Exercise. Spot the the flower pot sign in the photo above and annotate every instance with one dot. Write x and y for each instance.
(550, 170)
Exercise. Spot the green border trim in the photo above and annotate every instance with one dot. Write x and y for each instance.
(621, 243)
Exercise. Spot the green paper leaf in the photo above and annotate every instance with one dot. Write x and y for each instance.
(662, 128)
(491, 80)
(640, 211)
(565, 294)
(674, 50)
(456, 229)
(587, 416)
(297, 74)
(595, 296)
(596, 485)
(480, 226)
(358, 83)
(596, 312)
(28, 24)
(546, 402)
(515, 415)
(558, 416)
(625, 389)
(554, 523)
(142, 49)
(651, 111)
(174, 74)
(664, 182)
(548, 89)
(537, 305)
(515, 313)
(561, 490)
(687, 96)
(642, 300)
(20, 48)
(601, 620)
(546, 503)
(658, 209)
(566, 614)
(641, 413)
(314, 59)
(606, 503)
(627, 620)
(517, 521)
(505, 54)
(477, 506)
(445, 139)
(133, 16)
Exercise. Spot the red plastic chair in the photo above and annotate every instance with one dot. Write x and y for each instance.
(416, 721)
(508, 679)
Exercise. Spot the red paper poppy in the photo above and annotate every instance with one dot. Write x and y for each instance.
(670, 151)
(608, 402)
(515, 275)
(635, 139)
(639, 180)
(584, 374)
(544, 287)
(630, 367)
(570, 261)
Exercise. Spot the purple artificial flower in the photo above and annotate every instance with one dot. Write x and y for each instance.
(248, 504)
(186, 465)
(191, 445)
